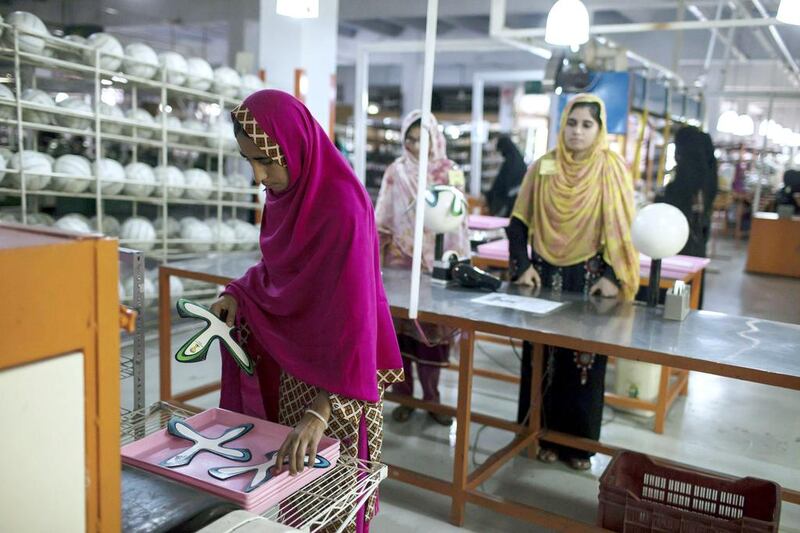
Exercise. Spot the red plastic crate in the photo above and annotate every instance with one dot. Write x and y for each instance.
(639, 494)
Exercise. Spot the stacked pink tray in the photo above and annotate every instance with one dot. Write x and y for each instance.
(264, 438)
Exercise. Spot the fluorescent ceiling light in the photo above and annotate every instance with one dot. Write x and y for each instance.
(789, 12)
(568, 24)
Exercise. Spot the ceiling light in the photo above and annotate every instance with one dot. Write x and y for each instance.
(744, 126)
(789, 12)
(299, 9)
(728, 121)
(567, 24)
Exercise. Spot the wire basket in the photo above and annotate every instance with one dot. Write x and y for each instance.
(332, 499)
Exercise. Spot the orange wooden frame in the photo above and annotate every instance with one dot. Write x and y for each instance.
(64, 290)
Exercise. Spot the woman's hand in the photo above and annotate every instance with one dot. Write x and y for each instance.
(605, 288)
(529, 278)
(304, 438)
(225, 308)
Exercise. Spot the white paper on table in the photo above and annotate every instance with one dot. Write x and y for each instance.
(520, 303)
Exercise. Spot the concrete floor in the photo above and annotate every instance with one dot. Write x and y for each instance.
(731, 426)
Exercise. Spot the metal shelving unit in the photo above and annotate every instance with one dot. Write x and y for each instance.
(132, 364)
(333, 498)
(224, 201)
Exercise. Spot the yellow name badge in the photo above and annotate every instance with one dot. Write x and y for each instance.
(455, 176)
(548, 167)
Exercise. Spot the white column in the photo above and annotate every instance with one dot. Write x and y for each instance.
(286, 44)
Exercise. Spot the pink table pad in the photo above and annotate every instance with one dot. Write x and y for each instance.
(484, 222)
(677, 267)
(265, 436)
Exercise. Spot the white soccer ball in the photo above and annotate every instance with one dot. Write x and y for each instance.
(73, 223)
(72, 53)
(445, 208)
(113, 112)
(138, 233)
(200, 74)
(29, 23)
(77, 105)
(224, 235)
(74, 165)
(246, 234)
(140, 180)
(2, 169)
(659, 231)
(250, 84)
(142, 116)
(111, 225)
(37, 170)
(240, 181)
(173, 227)
(175, 66)
(112, 177)
(175, 283)
(198, 184)
(173, 125)
(7, 112)
(222, 129)
(36, 96)
(227, 82)
(198, 233)
(193, 125)
(40, 219)
(140, 61)
(174, 179)
(111, 51)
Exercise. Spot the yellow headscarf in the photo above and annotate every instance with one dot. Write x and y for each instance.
(575, 209)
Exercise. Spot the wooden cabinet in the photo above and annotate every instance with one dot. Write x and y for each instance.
(774, 246)
(59, 381)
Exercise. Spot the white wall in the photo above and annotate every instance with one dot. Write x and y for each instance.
(286, 44)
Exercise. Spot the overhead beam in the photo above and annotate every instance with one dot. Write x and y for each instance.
(643, 27)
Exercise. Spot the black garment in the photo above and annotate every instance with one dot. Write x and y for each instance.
(695, 186)
(573, 387)
(791, 186)
(503, 194)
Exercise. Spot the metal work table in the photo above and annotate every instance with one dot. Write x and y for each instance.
(755, 350)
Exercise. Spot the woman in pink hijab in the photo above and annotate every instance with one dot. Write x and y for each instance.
(426, 345)
(312, 313)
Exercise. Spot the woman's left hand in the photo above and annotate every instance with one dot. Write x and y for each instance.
(304, 438)
(605, 288)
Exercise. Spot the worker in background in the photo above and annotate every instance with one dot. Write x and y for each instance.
(426, 346)
(575, 209)
(501, 197)
(789, 194)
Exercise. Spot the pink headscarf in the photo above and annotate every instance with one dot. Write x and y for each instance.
(316, 301)
(394, 210)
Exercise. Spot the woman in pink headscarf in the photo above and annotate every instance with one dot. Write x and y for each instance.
(312, 313)
(426, 345)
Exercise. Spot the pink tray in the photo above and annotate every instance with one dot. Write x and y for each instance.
(265, 436)
(677, 267)
(486, 222)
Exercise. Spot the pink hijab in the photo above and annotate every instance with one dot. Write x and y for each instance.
(315, 302)
(394, 210)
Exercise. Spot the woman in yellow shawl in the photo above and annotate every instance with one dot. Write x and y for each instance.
(575, 209)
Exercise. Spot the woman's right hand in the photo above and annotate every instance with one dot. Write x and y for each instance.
(529, 278)
(225, 308)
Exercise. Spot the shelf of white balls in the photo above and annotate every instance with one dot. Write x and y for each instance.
(135, 63)
(154, 200)
(71, 122)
